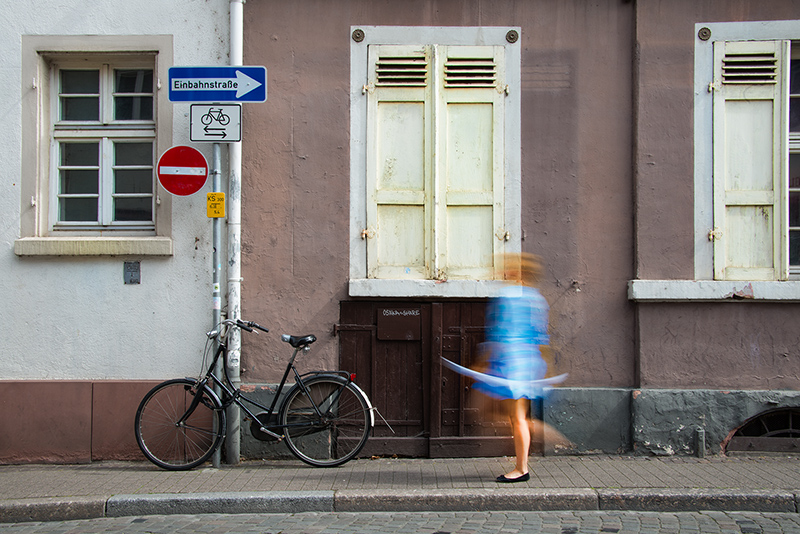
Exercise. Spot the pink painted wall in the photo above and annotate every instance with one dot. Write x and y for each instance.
(576, 159)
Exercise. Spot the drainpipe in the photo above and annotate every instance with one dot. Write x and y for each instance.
(233, 441)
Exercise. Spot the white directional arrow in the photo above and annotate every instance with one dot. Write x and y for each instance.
(245, 83)
(242, 84)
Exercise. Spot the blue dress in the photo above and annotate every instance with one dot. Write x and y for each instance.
(516, 326)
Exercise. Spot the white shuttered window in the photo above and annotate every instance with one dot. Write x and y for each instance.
(435, 161)
(750, 160)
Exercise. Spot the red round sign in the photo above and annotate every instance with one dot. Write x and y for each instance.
(182, 170)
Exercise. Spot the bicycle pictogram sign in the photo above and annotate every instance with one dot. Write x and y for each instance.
(215, 115)
(216, 123)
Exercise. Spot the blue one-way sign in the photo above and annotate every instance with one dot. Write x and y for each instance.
(217, 84)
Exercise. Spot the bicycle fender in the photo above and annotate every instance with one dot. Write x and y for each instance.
(369, 404)
(329, 374)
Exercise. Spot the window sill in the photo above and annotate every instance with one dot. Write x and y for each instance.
(712, 291)
(93, 246)
(424, 288)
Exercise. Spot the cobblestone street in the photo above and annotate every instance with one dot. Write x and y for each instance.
(431, 523)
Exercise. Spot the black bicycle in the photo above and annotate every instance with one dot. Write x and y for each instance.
(325, 418)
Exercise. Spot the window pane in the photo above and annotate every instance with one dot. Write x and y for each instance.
(80, 154)
(78, 209)
(794, 247)
(133, 181)
(133, 107)
(80, 82)
(133, 153)
(133, 81)
(794, 208)
(80, 108)
(85, 83)
(133, 209)
(79, 182)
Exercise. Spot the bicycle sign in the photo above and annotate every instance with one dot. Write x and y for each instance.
(216, 123)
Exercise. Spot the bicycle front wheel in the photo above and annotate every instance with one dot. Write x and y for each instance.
(172, 437)
(335, 431)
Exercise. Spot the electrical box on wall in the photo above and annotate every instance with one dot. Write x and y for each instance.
(132, 274)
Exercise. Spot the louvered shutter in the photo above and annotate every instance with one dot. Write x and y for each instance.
(470, 161)
(399, 159)
(750, 159)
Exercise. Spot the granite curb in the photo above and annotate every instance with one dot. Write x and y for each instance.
(652, 500)
(52, 509)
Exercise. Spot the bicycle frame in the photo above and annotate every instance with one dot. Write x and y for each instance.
(232, 395)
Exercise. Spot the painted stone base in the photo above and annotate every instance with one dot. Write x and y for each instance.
(660, 422)
(669, 421)
(69, 421)
(84, 421)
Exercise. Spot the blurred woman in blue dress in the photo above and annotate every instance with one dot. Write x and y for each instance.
(516, 327)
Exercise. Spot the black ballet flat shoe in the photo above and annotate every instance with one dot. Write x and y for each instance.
(522, 478)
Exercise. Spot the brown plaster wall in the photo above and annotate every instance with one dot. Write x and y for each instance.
(576, 159)
(736, 345)
(725, 345)
(664, 155)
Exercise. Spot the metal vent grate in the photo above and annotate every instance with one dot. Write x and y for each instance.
(470, 72)
(402, 71)
(750, 69)
(771, 431)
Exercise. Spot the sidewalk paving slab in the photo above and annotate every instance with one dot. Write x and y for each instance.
(667, 484)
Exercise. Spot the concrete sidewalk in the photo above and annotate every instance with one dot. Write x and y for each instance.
(114, 489)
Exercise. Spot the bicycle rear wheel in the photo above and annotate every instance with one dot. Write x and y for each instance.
(169, 442)
(335, 435)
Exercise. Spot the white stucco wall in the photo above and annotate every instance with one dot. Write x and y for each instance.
(73, 317)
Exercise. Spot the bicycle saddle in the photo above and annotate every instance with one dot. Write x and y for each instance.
(298, 341)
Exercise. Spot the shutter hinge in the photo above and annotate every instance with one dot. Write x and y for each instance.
(503, 90)
(503, 235)
(713, 87)
(368, 88)
(367, 233)
(714, 234)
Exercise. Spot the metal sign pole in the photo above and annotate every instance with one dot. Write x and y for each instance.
(216, 187)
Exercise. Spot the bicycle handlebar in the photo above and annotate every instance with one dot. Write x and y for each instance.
(243, 325)
(249, 325)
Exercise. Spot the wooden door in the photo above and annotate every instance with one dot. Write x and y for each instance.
(395, 349)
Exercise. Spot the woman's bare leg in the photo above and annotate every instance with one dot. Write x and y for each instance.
(518, 414)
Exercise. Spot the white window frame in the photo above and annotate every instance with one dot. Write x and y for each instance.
(40, 233)
(360, 284)
(106, 131)
(704, 288)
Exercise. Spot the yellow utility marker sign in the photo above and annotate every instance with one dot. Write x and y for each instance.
(215, 205)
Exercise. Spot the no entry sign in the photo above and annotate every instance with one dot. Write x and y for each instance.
(182, 170)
